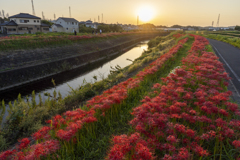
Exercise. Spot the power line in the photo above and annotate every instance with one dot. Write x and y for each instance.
(102, 17)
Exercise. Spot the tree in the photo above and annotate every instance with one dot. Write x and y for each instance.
(176, 26)
(147, 26)
(237, 28)
(47, 22)
(103, 27)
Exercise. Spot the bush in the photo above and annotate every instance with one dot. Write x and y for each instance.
(237, 28)
(39, 33)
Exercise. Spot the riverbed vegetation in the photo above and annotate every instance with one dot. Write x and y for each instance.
(55, 39)
(175, 108)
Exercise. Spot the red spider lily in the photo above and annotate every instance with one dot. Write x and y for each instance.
(178, 35)
(42, 149)
(66, 135)
(123, 144)
(24, 143)
(41, 133)
(183, 154)
(172, 139)
(7, 154)
(236, 143)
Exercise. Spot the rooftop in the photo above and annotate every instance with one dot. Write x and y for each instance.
(24, 15)
(68, 19)
(11, 23)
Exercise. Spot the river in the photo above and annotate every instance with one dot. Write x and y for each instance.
(74, 78)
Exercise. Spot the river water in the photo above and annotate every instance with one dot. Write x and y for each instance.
(74, 78)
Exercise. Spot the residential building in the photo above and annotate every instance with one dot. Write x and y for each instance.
(68, 25)
(89, 23)
(24, 23)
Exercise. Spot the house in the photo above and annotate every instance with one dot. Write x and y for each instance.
(82, 23)
(89, 24)
(68, 25)
(24, 23)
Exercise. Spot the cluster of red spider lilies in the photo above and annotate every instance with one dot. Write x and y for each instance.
(189, 118)
(42, 36)
(178, 35)
(46, 40)
(65, 131)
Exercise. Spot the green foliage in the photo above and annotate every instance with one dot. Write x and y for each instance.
(154, 42)
(109, 28)
(27, 117)
(84, 29)
(3, 143)
(237, 28)
(47, 22)
(231, 40)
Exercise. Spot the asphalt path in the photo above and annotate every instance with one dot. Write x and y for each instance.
(230, 57)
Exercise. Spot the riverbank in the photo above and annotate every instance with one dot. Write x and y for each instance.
(25, 118)
(24, 66)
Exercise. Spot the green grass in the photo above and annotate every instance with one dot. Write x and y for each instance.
(56, 39)
(233, 41)
(105, 128)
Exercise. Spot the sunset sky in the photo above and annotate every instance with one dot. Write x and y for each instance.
(158, 12)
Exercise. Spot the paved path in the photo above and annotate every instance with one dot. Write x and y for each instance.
(230, 57)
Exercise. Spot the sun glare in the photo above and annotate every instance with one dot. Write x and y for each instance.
(145, 13)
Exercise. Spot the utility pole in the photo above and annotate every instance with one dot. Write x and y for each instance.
(33, 11)
(98, 19)
(102, 17)
(43, 16)
(218, 21)
(212, 23)
(137, 20)
(54, 16)
(70, 12)
(3, 14)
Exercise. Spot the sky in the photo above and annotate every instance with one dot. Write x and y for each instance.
(158, 12)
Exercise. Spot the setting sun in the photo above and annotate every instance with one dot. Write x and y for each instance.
(145, 13)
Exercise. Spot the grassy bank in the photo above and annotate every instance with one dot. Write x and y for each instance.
(27, 117)
(188, 118)
(235, 41)
(106, 127)
(127, 90)
(41, 41)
